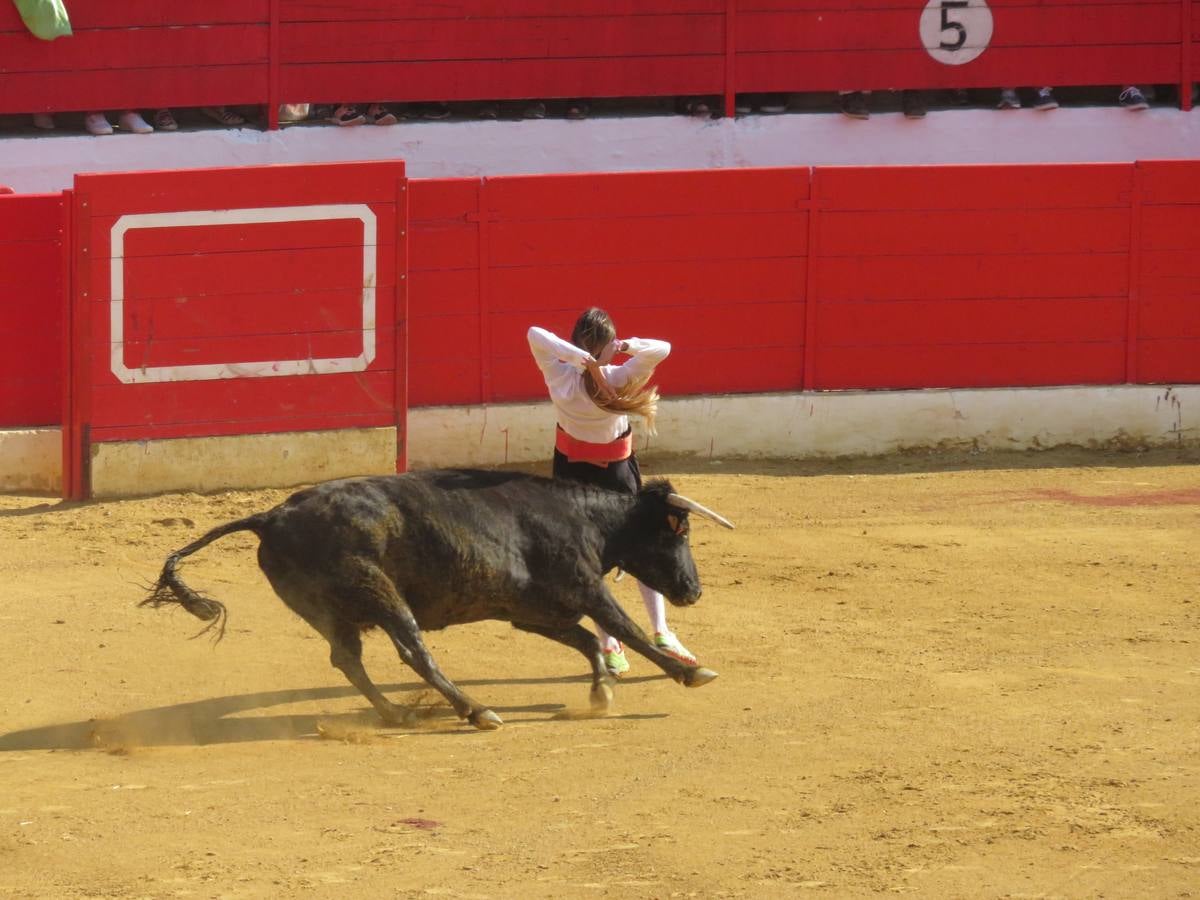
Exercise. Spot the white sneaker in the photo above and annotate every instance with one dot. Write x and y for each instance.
(44, 121)
(95, 123)
(133, 121)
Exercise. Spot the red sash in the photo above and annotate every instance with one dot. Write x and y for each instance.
(576, 450)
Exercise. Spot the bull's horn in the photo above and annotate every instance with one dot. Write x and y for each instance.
(681, 502)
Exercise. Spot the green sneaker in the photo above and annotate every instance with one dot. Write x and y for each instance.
(669, 644)
(615, 661)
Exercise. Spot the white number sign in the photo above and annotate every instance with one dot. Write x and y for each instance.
(956, 31)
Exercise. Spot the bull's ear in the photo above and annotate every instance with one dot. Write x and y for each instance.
(678, 524)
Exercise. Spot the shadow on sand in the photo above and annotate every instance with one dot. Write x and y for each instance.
(218, 720)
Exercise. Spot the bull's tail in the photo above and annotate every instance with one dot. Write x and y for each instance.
(171, 589)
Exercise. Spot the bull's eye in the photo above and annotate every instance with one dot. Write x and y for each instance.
(678, 524)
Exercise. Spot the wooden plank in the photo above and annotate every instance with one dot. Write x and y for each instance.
(446, 382)
(1022, 27)
(972, 276)
(29, 269)
(434, 294)
(254, 236)
(648, 76)
(437, 199)
(1171, 316)
(30, 218)
(252, 273)
(692, 283)
(444, 245)
(1169, 361)
(1171, 228)
(262, 425)
(634, 194)
(29, 401)
(147, 409)
(932, 322)
(136, 48)
(832, 70)
(254, 186)
(970, 365)
(301, 312)
(1050, 186)
(383, 10)
(88, 14)
(408, 39)
(260, 348)
(132, 88)
(730, 236)
(1008, 232)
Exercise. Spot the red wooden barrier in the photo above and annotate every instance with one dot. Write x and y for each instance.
(145, 53)
(713, 260)
(1167, 326)
(235, 301)
(971, 276)
(31, 322)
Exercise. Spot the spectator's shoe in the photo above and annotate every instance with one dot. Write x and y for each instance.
(1132, 98)
(132, 121)
(669, 644)
(346, 116)
(44, 121)
(489, 110)
(578, 109)
(378, 114)
(773, 106)
(1044, 99)
(165, 121)
(95, 123)
(854, 105)
(913, 104)
(615, 661)
(436, 111)
(534, 110)
(224, 116)
(1009, 99)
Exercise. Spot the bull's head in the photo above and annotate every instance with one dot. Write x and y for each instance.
(655, 548)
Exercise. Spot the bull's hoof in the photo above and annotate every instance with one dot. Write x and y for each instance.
(601, 697)
(485, 720)
(699, 676)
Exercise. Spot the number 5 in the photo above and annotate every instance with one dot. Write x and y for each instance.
(947, 25)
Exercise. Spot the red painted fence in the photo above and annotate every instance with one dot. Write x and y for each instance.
(32, 267)
(764, 279)
(235, 301)
(147, 53)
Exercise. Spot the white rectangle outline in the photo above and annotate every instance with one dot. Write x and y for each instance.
(249, 216)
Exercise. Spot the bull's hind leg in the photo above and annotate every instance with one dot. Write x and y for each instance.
(376, 591)
(589, 645)
(345, 654)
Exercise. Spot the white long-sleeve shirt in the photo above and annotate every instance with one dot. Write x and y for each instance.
(562, 365)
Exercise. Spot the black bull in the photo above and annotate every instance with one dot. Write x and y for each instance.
(425, 550)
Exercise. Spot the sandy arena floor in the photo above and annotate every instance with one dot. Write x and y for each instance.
(951, 676)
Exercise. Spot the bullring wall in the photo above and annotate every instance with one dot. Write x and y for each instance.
(767, 281)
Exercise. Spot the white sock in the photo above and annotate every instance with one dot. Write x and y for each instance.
(656, 608)
(608, 643)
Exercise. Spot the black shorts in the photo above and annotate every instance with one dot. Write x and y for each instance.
(624, 476)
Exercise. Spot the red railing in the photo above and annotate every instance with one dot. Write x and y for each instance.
(146, 53)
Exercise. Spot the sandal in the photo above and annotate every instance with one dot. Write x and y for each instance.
(378, 114)
(347, 115)
(165, 121)
(696, 108)
(578, 109)
(224, 116)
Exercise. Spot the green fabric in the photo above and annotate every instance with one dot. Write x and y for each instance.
(46, 19)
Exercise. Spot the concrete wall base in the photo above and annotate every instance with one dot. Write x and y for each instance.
(798, 425)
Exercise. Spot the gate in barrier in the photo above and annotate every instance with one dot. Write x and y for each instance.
(232, 302)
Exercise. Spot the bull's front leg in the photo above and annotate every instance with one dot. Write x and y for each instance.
(608, 614)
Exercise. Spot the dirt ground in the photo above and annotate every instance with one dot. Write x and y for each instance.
(946, 675)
